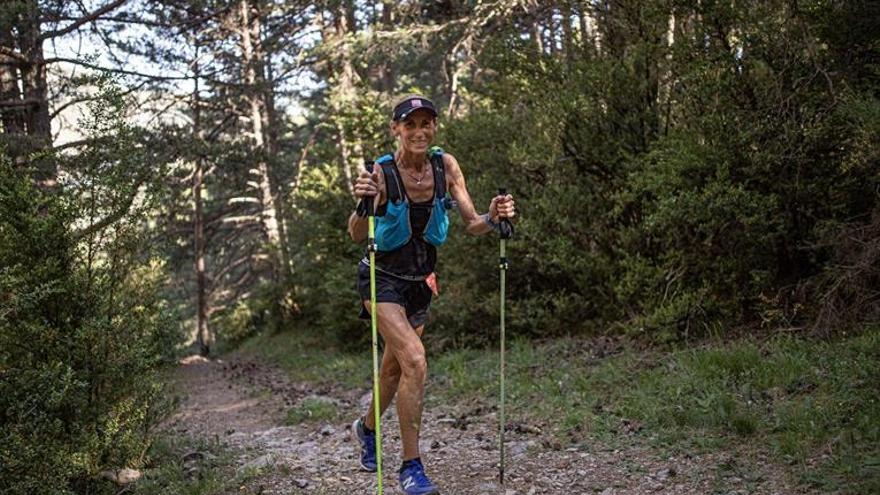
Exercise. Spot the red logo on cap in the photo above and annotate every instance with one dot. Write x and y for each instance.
(417, 103)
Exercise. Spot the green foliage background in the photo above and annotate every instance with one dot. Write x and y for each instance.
(713, 211)
(84, 326)
(722, 184)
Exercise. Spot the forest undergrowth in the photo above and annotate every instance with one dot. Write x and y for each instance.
(812, 405)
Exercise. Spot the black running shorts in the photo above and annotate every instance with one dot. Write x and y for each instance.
(414, 296)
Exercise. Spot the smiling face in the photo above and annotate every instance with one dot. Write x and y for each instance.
(415, 133)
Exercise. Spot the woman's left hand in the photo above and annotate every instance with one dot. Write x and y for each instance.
(502, 206)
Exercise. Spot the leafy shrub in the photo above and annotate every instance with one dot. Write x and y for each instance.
(80, 345)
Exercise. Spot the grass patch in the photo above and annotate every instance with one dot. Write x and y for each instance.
(310, 360)
(312, 409)
(179, 466)
(813, 405)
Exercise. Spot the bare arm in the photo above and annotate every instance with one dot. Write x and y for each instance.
(357, 227)
(367, 185)
(475, 224)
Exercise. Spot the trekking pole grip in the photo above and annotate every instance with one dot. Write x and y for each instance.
(506, 228)
(365, 205)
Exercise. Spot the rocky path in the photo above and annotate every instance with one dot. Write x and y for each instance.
(243, 403)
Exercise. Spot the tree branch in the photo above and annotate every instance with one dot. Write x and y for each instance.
(229, 267)
(112, 217)
(11, 53)
(73, 26)
(242, 219)
(74, 61)
(73, 101)
(25, 102)
(119, 19)
(79, 143)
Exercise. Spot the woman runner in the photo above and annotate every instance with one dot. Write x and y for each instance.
(418, 181)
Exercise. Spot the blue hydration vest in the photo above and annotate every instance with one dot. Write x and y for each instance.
(393, 229)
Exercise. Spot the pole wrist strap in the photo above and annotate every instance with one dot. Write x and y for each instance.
(488, 219)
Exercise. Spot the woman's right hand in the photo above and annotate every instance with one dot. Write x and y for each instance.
(367, 184)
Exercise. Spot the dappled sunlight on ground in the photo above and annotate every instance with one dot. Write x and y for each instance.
(193, 359)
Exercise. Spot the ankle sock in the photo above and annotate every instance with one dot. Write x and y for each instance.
(366, 429)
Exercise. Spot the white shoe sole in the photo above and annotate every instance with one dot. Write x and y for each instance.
(401, 491)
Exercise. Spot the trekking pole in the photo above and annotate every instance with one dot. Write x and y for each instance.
(506, 230)
(366, 208)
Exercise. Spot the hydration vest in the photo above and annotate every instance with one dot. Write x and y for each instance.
(393, 228)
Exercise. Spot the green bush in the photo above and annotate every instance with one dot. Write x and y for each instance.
(668, 224)
(663, 191)
(311, 409)
(80, 345)
(325, 260)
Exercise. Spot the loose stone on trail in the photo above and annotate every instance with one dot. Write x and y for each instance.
(260, 462)
(459, 444)
(122, 476)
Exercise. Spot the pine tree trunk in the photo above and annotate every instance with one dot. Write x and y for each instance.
(24, 89)
(537, 36)
(253, 60)
(203, 333)
(13, 124)
(386, 69)
(270, 124)
(551, 32)
(344, 93)
(664, 96)
(589, 26)
(567, 35)
(34, 77)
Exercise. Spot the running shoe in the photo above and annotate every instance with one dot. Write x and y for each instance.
(413, 480)
(367, 441)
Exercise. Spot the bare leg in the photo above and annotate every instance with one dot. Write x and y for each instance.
(389, 376)
(403, 371)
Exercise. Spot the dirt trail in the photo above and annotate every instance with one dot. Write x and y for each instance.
(243, 403)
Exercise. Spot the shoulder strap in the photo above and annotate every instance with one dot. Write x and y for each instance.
(439, 172)
(390, 171)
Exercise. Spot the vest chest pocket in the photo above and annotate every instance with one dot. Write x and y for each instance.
(438, 224)
(393, 229)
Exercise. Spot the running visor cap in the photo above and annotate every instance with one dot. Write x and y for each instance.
(410, 105)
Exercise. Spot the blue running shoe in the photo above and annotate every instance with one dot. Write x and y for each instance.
(367, 441)
(413, 480)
